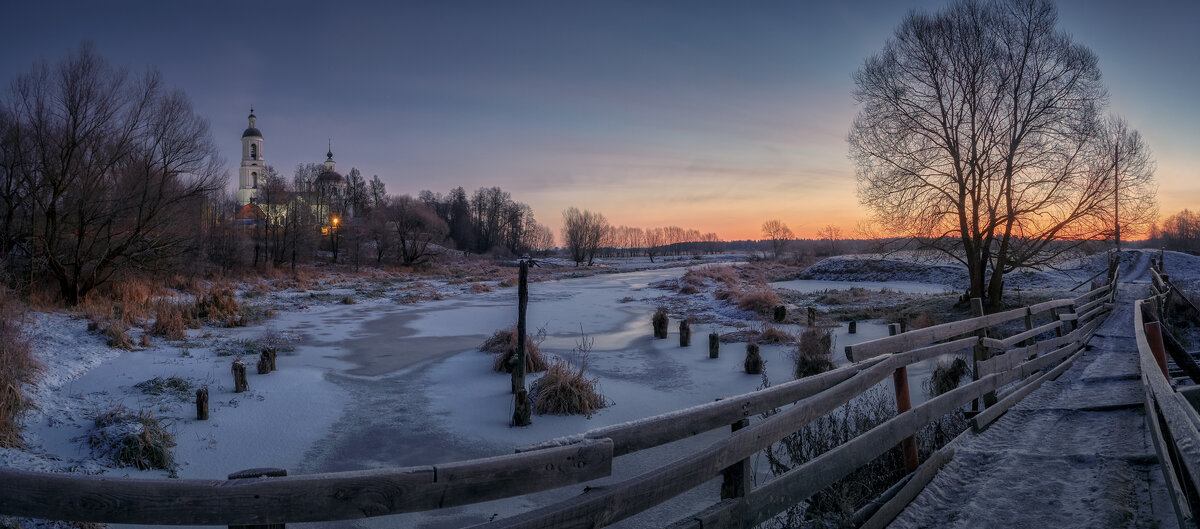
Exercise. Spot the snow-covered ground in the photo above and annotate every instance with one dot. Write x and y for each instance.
(396, 379)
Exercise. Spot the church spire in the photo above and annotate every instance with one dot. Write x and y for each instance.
(329, 157)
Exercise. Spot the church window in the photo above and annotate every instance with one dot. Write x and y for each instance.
(253, 151)
(254, 179)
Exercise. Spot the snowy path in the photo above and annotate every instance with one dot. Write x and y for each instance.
(1075, 453)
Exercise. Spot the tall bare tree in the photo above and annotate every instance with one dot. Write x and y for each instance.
(1126, 161)
(976, 137)
(116, 172)
(583, 232)
(779, 234)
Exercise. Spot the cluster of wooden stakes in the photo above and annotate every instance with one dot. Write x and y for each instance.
(266, 364)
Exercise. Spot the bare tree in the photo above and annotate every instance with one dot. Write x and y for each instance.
(1127, 162)
(416, 227)
(117, 169)
(654, 238)
(583, 232)
(975, 137)
(779, 234)
(831, 234)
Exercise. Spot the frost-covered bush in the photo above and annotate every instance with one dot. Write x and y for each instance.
(566, 390)
(136, 439)
(503, 344)
(814, 354)
(760, 301)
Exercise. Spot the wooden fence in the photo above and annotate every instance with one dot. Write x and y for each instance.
(1008, 365)
(1172, 420)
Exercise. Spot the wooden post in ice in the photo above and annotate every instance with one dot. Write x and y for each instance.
(812, 316)
(259, 473)
(518, 373)
(202, 403)
(903, 404)
(239, 376)
(780, 313)
(754, 362)
(264, 364)
(852, 327)
(685, 333)
(714, 345)
(735, 482)
(523, 410)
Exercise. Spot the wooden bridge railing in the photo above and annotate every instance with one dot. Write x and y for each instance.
(1172, 420)
(1012, 366)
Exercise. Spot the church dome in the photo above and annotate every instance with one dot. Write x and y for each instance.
(252, 133)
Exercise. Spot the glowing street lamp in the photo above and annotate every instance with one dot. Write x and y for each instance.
(333, 236)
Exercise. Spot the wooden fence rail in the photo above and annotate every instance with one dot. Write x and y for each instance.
(1173, 422)
(1008, 369)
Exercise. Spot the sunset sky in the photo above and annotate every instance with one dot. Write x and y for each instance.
(714, 116)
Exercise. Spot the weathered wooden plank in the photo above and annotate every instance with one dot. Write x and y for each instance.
(1052, 304)
(617, 502)
(1091, 304)
(1094, 313)
(1176, 413)
(1088, 296)
(309, 498)
(996, 344)
(928, 335)
(985, 417)
(890, 510)
(802, 482)
(1183, 511)
(1013, 357)
(673, 426)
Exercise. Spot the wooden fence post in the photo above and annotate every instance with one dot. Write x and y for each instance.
(518, 373)
(903, 404)
(780, 313)
(735, 481)
(852, 327)
(1154, 336)
(1029, 326)
(714, 345)
(202, 403)
(259, 473)
(239, 376)
(685, 333)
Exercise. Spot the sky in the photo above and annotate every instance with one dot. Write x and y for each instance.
(707, 115)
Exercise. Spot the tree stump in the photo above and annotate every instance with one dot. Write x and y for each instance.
(714, 345)
(812, 316)
(685, 333)
(202, 403)
(239, 376)
(754, 362)
(853, 327)
(264, 364)
(660, 322)
(780, 314)
(523, 409)
(271, 353)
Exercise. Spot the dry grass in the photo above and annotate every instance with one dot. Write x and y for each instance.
(480, 288)
(220, 305)
(697, 277)
(814, 354)
(946, 376)
(774, 335)
(761, 301)
(133, 439)
(922, 321)
(117, 333)
(566, 390)
(503, 344)
(172, 319)
(17, 368)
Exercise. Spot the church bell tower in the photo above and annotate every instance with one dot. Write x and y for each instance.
(251, 174)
